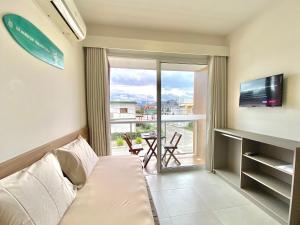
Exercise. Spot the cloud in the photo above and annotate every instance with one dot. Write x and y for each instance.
(175, 92)
(140, 85)
(132, 77)
(184, 95)
(132, 92)
(171, 79)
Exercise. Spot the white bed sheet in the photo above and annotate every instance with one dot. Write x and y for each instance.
(115, 194)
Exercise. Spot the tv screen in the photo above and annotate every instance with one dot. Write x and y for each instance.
(263, 92)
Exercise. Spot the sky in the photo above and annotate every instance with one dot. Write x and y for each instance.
(140, 85)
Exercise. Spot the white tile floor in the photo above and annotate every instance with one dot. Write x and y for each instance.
(201, 198)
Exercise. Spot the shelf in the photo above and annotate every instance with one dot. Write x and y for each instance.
(277, 207)
(274, 184)
(258, 177)
(233, 137)
(229, 176)
(269, 162)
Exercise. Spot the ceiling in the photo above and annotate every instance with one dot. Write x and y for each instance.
(216, 17)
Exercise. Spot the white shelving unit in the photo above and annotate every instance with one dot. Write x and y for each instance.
(257, 176)
(268, 161)
(228, 175)
(274, 184)
(278, 208)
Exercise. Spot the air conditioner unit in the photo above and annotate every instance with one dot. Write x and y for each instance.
(66, 15)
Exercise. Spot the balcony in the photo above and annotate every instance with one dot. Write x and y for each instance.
(189, 149)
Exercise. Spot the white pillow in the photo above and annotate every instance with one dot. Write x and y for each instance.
(77, 160)
(37, 195)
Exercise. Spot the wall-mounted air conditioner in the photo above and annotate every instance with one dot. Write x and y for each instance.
(66, 15)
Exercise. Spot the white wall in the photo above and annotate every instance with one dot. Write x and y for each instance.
(155, 41)
(267, 45)
(39, 102)
(157, 35)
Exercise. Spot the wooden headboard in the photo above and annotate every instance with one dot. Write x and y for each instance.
(24, 160)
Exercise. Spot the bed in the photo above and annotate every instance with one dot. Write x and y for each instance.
(115, 192)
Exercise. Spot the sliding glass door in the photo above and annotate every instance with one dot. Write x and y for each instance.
(181, 98)
(160, 108)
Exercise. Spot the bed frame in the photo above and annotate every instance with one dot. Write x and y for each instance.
(26, 159)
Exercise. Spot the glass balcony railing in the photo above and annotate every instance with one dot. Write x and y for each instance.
(134, 129)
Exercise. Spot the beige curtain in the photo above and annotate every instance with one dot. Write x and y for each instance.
(217, 103)
(97, 89)
(200, 107)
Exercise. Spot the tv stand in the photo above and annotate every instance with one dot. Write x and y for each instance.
(269, 175)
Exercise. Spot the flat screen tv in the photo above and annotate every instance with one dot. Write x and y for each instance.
(263, 92)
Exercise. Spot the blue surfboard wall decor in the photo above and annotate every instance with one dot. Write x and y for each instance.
(34, 41)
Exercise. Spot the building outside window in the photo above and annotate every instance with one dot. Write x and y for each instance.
(123, 110)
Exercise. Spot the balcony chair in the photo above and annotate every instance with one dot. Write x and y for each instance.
(133, 149)
(171, 147)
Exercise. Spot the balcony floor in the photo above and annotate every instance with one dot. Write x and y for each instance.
(185, 160)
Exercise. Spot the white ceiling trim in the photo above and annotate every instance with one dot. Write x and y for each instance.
(154, 46)
(151, 64)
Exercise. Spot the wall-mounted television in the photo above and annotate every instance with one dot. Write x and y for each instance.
(263, 92)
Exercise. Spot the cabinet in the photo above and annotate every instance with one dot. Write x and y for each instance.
(269, 175)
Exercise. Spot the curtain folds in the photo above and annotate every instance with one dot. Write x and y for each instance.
(217, 103)
(97, 92)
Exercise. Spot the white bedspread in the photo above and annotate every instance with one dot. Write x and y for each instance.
(115, 194)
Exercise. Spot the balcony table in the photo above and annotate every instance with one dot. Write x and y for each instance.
(151, 141)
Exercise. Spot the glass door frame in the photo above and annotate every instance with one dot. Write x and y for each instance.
(159, 63)
(158, 112)
(161, 58)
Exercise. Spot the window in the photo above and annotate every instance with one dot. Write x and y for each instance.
(123, 110)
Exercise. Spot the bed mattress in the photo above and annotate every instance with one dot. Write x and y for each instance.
(115, 194)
